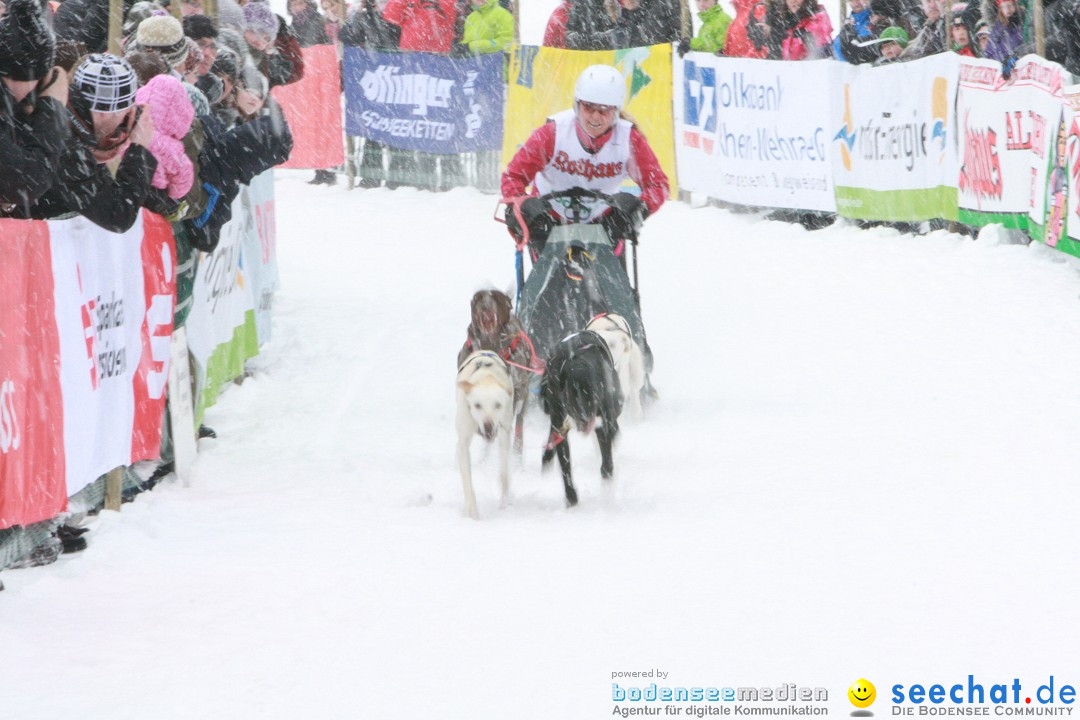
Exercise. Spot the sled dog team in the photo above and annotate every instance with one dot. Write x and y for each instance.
(585, 383)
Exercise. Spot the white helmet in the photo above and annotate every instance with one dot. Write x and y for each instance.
(602, 85)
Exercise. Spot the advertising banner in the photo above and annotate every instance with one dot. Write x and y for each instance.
(261, 239)
(32, 486)
(107, 313)
(312, 107)
(1061, 220)
(152, 372)
(755, 132)
(1005, 134)
(1051, 166)
(542, 84)
(894, 143)
(420, 101)
(233, 294)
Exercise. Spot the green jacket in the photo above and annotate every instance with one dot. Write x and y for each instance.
(488, 28)
(714, 25)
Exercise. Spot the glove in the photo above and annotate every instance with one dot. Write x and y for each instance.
(1007, 66)
(533, 212)
(683, 47)
(630, 208)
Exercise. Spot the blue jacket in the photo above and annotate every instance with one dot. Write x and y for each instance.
(863, 31)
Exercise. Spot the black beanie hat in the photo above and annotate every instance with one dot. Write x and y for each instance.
(226, 64)
(27, 46)
(198, 27)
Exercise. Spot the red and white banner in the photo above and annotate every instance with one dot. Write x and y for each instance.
(114, 294)
(1007, 130)
(32, 469)
(85, 324)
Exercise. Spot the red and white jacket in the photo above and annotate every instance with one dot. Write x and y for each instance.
(559, 155)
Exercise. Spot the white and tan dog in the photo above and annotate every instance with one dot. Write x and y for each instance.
(485, 400)
(627, 355)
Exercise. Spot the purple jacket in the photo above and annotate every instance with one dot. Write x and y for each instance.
(1004, 39)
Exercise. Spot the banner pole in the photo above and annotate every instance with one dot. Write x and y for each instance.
(116, 26)
(948, 25)
(114, 489)
(1039, 21)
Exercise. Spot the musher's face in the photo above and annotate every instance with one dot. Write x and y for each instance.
(595, 119)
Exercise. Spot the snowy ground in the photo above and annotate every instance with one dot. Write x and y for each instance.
(863, 464)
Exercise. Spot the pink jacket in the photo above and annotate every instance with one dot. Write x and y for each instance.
(810, 39)
(172, 112)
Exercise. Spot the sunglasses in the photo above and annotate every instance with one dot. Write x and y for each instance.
(593, 107)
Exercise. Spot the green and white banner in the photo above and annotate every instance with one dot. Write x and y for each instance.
(894, 143)
(234, 285)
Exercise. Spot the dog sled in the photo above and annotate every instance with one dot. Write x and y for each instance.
(577, 277)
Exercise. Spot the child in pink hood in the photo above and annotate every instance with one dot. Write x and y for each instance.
(172, 113)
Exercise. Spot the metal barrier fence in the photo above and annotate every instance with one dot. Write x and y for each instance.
(370, 164)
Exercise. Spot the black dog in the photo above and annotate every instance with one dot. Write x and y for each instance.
(581, 385)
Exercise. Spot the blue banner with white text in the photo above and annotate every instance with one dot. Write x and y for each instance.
(426, 102)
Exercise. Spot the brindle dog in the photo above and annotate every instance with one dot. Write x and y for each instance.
(495, 327)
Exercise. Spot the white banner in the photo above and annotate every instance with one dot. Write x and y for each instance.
(1005, 133)
(232, 297)
(755, 132)
(895, 140)
(261, 237)
(111, 313)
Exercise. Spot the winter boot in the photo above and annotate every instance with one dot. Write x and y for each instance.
(71, 539)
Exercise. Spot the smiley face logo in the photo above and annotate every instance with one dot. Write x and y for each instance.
(862, 693)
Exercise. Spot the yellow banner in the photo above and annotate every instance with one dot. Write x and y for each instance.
(542, 84)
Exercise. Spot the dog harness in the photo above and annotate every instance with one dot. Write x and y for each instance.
(477, 360)
(535, 366)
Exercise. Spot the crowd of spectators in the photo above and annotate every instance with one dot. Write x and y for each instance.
(175, 125)
(875, 31)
